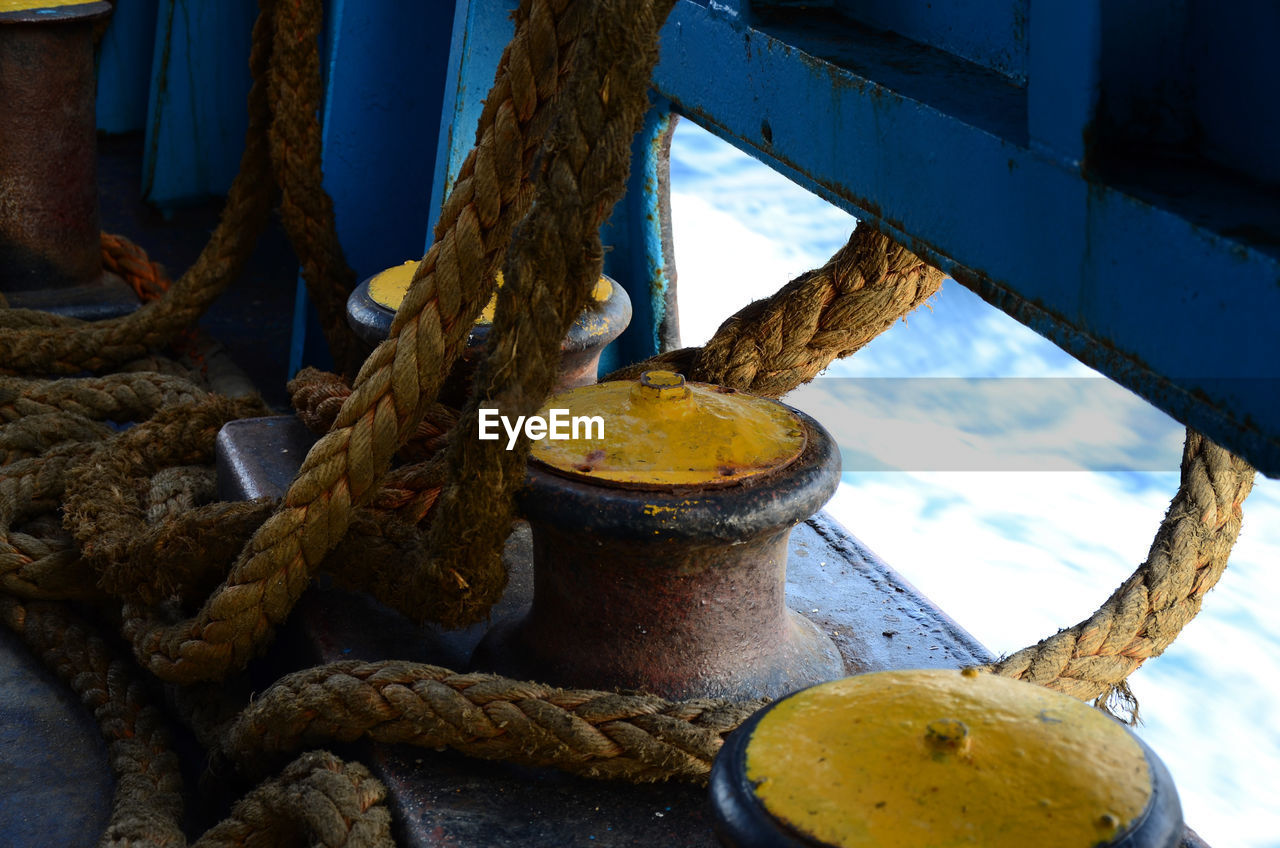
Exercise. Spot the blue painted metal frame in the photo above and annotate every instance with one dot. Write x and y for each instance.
(998, 138)
(639, 253)
(481, 30)
(1163, 275)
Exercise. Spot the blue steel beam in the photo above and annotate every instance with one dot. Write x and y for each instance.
(1163, 275)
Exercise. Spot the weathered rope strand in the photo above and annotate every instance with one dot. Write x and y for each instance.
(1142, 617)
(305, 207)
(147, 808)
(773, 345)
(595, 734)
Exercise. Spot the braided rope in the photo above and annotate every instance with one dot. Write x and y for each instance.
(317, 396)
(773, 345)
(594, 734)
(1141, 618)
(550, 270)
(305, 207)
(114, 397)
(397, 382)
(46, 566)
(122, 257)
(317, 799)
(147, 807)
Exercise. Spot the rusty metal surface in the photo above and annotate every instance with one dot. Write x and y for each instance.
(259, 457)
(49, 234)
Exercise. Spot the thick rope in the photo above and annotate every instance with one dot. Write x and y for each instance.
(596, 734)
(105, 506)
(553, 264)
(1143, 616)
(45, 565)
(122, 257)
(318, 396)
(305, 207)
(114, 397)
(773, 345)
(398, 381)
(317, 800)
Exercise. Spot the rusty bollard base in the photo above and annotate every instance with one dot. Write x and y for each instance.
(50, 253)
(676, 589)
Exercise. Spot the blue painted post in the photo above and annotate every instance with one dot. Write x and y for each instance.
(385, 66)
(638, 248)
(124, 66)
(481, 30)
(196, 116)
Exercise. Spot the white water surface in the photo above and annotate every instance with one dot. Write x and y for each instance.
(1013, 554)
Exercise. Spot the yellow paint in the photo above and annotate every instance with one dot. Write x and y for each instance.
(914, 759)
(390, 286)
(28, 5)
(661, 432)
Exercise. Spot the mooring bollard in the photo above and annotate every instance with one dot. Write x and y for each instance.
(660, 548)
(909, 759)
(50, 242)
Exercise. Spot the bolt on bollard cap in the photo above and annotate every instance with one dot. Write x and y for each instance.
(660, 431)
(913, 759)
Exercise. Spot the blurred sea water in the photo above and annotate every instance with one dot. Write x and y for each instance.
(1013, 549)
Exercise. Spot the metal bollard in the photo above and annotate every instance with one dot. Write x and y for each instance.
(910, 759)
(50, 252)
(373, 304)
(660, 551)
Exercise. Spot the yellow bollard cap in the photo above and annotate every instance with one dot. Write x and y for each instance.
(660, 431)
(911, 759)
(389, 287)
(32, 5)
